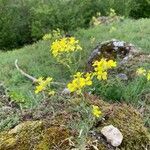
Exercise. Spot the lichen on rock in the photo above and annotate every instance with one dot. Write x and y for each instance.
(113, 49)
(128, 57)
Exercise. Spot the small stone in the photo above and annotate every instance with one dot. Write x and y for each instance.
(122, 76)
(65, 91)
(24, 126)
(113, 135)
(118, 43)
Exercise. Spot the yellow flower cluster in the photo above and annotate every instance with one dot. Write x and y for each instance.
(96, 111)
(95, 21)
(42, 84)
(100, 70)
(80, 81)
(144, 72)
(141, 71)
(148, 75)
(66, 44)
(101, 67)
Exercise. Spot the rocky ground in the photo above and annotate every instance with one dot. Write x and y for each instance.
(44, 129)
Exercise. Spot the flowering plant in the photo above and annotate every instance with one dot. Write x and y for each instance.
(143, 72)
(80, 80)
(63, 51)
(96, 111)
(65, 45)
(43, 85)
(101, 67)
(47, 37)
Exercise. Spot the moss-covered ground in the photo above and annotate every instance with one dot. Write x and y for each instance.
(58, 131)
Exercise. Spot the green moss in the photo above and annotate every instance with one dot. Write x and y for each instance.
(22, 137)
(125, 118)
(129, 122)
(47, 135)
(54, 137)
(34, 135)
(7, 141)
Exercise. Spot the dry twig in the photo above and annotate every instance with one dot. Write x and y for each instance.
(33, 79)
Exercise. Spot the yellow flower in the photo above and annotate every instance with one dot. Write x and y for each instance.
(148, 75)
(102, 75)
(42, 84)
(96, 111)
(95, 21)
(88, 79)
(101, 67)
(39, 88)
(40, 79)
(79, 82)
(78, 75)
(111, 64)
(65, 45)
(51, 93)
(141, 71)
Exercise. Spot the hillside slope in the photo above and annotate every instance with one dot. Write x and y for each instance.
(37, 61)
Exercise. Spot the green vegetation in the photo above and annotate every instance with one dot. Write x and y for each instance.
(37, 61)
(25, 21)
(86, 66)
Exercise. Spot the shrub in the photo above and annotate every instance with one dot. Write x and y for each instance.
(27, 21)
(142, 11)
(14, 23)
(66, 15)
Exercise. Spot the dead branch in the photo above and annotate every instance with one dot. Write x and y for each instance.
(24, 73)
(33, 79)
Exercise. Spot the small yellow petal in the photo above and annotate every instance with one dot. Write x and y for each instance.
(96, 111)
(148, 76)
(141, 71)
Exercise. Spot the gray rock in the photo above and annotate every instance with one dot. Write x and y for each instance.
(65, 91)
(113, 49)
(122, 76)
(113, 135)
(22, 126)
